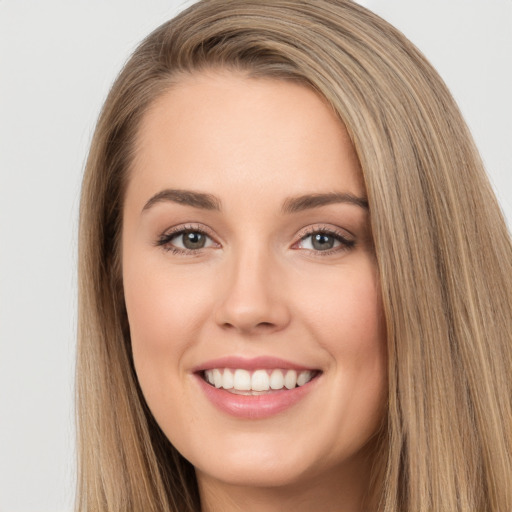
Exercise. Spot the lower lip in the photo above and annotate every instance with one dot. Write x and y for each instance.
(254, 407)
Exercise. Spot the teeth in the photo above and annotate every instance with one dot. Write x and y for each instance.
(228, 379)
(217, 378)
(277, 379)
(242, 380)
(259, 380)
(290, 379)
(304, 378)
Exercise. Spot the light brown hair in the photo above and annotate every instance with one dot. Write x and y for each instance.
(442, 248)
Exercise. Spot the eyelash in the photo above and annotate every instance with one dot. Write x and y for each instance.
(164, 240)
(345, 243)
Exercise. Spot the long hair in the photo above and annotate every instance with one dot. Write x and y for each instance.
(442, 248)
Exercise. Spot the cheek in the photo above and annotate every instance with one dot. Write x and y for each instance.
(348, 313)
(165, 311)
(363, 351)
(348, 322)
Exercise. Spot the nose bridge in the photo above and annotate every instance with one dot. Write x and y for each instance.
(252, 300)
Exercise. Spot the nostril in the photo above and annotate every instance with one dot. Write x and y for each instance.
(250, 316)
(263, 326)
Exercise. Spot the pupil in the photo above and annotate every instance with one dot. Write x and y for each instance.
(323, 242)
(193, 240)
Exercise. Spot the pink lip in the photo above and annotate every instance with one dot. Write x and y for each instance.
(255, 363)
(252, 406)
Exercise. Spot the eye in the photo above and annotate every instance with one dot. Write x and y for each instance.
(190, 240)
(325, 240)
(186, 240)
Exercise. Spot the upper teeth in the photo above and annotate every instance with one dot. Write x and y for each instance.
(259, 380)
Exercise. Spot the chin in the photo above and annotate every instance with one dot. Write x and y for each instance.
(255, 473)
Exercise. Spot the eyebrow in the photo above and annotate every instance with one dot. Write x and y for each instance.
(290, 205)
(186, 197)
(309, 201)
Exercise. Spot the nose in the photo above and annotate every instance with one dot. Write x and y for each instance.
(253, 297)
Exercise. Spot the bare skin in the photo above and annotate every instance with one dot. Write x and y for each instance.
(245, 271)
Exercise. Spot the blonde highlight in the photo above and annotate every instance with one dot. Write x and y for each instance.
(443, 251)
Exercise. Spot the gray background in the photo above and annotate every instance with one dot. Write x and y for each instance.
(57, 61)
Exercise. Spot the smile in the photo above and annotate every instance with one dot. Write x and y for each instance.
(257, 388)
(245, 382)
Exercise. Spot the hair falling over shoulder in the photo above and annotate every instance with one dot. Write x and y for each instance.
(442, 247)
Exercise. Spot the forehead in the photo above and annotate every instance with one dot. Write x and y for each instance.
(216, 130)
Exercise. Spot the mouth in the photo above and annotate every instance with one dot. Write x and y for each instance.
(257, 388)
(262, 381)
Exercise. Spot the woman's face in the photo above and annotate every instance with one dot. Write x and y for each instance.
(247, 262)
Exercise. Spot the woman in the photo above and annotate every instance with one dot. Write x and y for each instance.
(295, 281)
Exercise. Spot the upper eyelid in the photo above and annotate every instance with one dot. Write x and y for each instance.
(208, 231)
(343, 233)
(300, 235)
(344, 241)
(177, 230)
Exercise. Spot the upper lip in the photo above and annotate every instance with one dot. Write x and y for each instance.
(250, 364)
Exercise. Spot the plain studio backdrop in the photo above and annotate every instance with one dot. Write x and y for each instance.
(57, 61)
